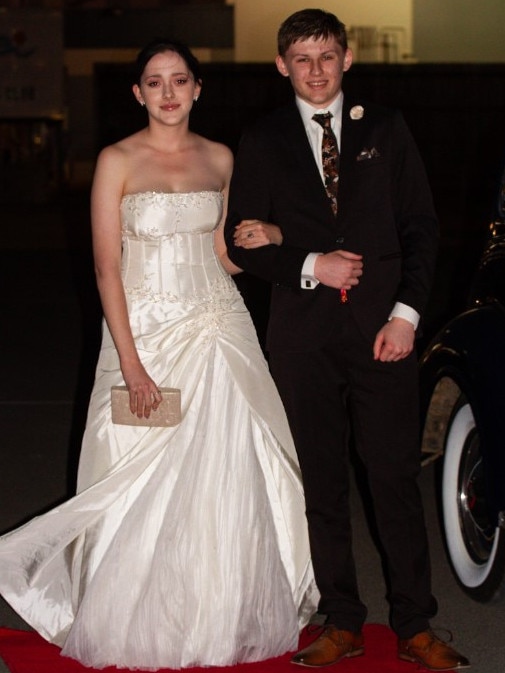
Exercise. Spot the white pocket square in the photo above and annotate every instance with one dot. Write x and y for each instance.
(368, 154)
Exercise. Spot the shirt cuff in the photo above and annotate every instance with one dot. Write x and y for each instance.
(308, 280)
(406, 312)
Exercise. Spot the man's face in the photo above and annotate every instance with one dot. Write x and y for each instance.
(315, 68)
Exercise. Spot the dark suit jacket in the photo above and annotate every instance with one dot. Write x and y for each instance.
(385, 213)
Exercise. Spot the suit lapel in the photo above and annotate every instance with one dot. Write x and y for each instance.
(301, 151)
(350, 141)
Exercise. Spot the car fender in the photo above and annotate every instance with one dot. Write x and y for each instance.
(470, 351)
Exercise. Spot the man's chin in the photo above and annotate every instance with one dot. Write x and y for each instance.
(319, 99)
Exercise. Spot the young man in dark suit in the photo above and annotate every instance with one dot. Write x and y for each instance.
(349, 285)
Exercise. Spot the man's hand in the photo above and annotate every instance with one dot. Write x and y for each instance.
(394, 341)
(339, 269)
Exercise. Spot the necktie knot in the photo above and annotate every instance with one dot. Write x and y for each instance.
(323, 119)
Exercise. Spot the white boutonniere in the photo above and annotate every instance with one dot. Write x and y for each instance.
(357, 112)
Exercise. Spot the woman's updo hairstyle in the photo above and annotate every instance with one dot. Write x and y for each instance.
(160, 45)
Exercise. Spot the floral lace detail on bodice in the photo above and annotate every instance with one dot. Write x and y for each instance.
(159, 214)
(168, 249)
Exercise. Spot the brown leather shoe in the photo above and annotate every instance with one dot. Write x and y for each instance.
(431, 652)
(332, 645)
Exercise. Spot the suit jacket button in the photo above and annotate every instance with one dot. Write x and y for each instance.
(339, 240)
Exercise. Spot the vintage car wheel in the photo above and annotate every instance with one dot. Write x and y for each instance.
(475, 545)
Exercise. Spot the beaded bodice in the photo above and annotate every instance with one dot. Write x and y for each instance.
(168, 246)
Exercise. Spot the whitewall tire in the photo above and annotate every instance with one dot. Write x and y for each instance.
(476, 547)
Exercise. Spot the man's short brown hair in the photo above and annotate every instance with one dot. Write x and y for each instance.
(307, 23)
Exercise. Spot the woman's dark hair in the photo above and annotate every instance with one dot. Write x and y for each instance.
(309, 23)
(158, 46)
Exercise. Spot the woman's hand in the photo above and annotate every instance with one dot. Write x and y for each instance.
(144, 394)
(255, 234)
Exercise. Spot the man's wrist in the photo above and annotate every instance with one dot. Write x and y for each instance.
(308, 279)
(406, 312)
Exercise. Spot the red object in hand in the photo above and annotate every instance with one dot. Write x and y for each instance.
(343, 296)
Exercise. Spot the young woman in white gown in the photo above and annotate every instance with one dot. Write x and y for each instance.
(185, 546)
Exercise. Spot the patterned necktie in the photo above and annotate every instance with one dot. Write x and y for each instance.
(330, 157)
(331, 160)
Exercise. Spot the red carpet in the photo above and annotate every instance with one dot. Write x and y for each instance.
(27, 652)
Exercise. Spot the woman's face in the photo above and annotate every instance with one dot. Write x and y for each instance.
(167, 87)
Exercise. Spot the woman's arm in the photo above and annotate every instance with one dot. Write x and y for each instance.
(106, 194)
(249, 233)
(220, 245)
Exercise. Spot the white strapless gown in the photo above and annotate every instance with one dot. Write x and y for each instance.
(185, 546)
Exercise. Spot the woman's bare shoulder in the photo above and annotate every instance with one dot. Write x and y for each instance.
(122, 147)
(218, 153)
(220, 149)
(116, 162)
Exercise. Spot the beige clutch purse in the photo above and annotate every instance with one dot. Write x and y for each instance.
(166, 415)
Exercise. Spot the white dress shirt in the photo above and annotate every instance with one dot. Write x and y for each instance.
(315, 135)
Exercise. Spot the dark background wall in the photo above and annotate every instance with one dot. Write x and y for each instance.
(204, 24)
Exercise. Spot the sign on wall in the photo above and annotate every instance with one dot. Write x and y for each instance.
(31, 64)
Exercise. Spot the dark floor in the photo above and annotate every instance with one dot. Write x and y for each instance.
(50, 337)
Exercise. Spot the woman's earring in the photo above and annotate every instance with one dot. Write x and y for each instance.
(142, 102)
(195, 99)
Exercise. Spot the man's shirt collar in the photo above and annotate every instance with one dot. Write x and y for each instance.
(308, 111)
